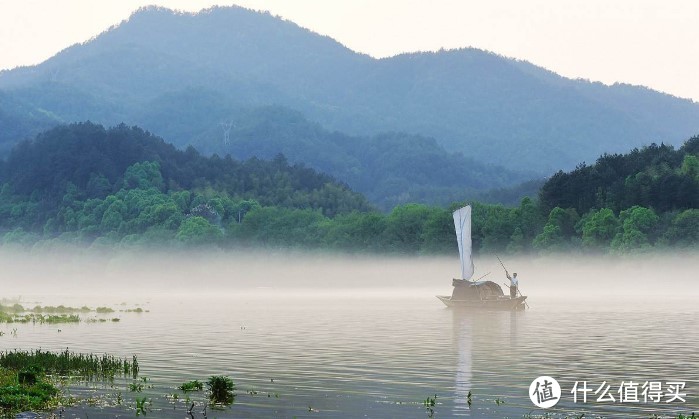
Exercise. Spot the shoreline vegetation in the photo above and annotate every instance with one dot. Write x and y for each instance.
(30, 380)
(16, 313)
(130, 188)
(40, 381)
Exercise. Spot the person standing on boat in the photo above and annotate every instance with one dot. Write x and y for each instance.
(514, 283)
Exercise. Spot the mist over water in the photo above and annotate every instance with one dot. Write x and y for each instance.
(364, 335)
(162, 274)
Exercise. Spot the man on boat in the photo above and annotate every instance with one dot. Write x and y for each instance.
(513, 284)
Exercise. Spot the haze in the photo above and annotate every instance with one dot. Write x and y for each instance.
(145, 275)
(641, 42)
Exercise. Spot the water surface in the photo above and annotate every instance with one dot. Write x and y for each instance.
(313, 345)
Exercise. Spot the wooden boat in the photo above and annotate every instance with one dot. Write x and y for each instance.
(475, 294)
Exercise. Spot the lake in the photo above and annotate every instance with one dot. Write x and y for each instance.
(328, 336)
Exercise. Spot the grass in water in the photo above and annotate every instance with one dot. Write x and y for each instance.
(220, 389)
(88, 366)
(25, 390)
(194, 385)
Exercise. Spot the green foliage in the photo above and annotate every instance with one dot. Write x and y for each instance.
(220, 389)
(198, 231)
(25, 390)
(273, 204)
(637, 225)
(599, 228)
(67, 167)
(405, 226)
(194, 385)
(684, 229)
(657, 177)
(65, 363)
(143, 175)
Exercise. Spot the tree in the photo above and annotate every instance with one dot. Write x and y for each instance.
(198, 231)
(405, 226)
(143, 175)
(637, 225)
(684, 229)
(599, 228)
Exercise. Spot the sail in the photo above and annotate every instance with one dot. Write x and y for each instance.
(462, 223)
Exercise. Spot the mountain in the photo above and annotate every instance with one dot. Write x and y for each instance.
(388, 168)
(492, 109)
(84, 162)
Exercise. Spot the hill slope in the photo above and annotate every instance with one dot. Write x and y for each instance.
(390, 168)
(85, 161)
(492, 109)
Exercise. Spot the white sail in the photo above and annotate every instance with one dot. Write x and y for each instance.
(462, 223)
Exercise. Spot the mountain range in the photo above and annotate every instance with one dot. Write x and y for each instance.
(188, 76)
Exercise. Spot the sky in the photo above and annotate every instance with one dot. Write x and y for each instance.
(643, 42)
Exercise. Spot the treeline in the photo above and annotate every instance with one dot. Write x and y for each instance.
(68, 186)
(86, 181)
(87, 161)
(656, 176)
(146, 216)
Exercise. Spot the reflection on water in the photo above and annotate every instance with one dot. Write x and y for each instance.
(364, 351)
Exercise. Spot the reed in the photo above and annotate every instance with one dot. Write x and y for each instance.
(88, 366)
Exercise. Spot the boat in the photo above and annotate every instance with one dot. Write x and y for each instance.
(475, 294)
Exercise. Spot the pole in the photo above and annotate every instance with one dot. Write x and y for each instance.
(482, 277)
(508, 275)
(503, 265)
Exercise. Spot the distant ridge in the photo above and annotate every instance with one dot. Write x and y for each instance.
(492, 109)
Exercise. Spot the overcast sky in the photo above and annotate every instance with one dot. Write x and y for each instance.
(651, 43)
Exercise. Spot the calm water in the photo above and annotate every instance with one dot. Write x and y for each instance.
(367, 352)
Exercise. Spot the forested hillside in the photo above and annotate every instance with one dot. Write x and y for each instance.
(123, 186)
(656, 176)
(389, 169)
(86, 180)
(492, 109)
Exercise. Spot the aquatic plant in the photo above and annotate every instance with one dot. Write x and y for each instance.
(30, 392)
(39, 318)
(194, 385)
(141, 406)
(133, 310)
(134, 367)
(499, 401)
(65, 363)
(60, 309)
(220, 389)
(15, 308)
(430, 401)
(137, 387)
(28, 376)
(104, 310)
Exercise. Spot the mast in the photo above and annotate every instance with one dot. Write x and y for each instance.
(462, 225)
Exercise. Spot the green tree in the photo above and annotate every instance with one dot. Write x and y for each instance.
(558, 231)
(690, 166)
(198, 231)
(637, 225)
(438, 234)
(143, 175)
(599, 228)
(405, 226)
(684, 228)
